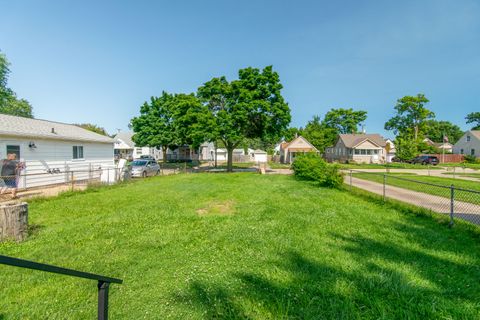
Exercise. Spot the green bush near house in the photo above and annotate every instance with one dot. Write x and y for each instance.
(313, 168)
(471, 159)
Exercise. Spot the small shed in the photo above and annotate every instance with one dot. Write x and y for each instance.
(259, 155)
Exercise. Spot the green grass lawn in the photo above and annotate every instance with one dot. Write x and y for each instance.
(462, 165)
(443, 192)
(237, 165)
(277, 165)
(241, 246)
(472, 175)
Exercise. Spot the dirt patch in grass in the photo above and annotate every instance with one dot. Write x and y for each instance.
(218, 208)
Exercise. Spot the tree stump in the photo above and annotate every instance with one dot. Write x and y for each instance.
(14, 221)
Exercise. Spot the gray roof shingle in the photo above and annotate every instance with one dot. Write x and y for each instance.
(352, 140)
(36, 128)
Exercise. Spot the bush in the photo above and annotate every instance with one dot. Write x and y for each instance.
(471, 159)
(313, 168)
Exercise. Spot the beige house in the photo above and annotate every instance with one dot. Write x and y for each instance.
(299, 145)
(360, 148)
(448, 147)
(468, 144)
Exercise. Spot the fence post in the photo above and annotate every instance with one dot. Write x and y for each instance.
(454, 172)
(185, 166)
(452, 204)
(103, 300)
(384, 186)
(350, 179)
(71, 179)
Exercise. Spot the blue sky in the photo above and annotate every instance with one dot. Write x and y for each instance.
(98, 61)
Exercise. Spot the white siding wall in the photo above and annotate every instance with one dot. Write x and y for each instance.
(52, 154)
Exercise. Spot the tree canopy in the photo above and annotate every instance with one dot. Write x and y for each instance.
(154, 127)
(410, 117)
(9, 103)
(474, 117)
(344, 120)
(247, 108)
(93, 127)
(435, 131)
(319, 134)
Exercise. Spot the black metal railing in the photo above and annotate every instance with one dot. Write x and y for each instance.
(103, 281)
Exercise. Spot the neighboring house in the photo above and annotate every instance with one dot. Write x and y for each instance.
(238, 155)
(448, 147)
(468, 144)
(182, 153)
(54, 148)
(391, 151)
(299, 145)
(125, 148)
(207, 151)
(258, 155)
(360, 148)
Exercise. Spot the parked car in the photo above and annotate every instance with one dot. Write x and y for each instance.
(144, 168)
(426, 160)
(146, 157)
(396, 159)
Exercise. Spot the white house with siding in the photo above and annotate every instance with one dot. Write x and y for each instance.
(51, 150)
(125, 148)
(468, 144)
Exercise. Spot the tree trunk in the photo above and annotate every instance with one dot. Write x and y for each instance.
(164, 151)
(230, 158)
(14, 222)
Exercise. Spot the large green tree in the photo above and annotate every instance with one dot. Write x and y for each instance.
(192, 121)
(9, 103)
(250, 107)
(436, 130)
(406, 148)
(410, 117)
(319, 134)
(155, 125)
(344, 120)
(474, 117)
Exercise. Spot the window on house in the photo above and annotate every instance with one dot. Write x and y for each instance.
(468, 138)
(349, 151)
(13, 149)
(375, 151)
(357, 151)
(461, 151)
(77, 152)
(363, 151)
(369, 152)
(472, 152)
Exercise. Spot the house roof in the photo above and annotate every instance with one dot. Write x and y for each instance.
(285, 145)
(258, 151)
(476, 133)
(126, 137)
(354, 139)
(37, 128)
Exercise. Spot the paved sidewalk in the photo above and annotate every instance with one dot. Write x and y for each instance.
(425, 172)
(463, 210)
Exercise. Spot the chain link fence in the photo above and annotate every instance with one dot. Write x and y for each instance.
(458, 203)
(55, 181)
